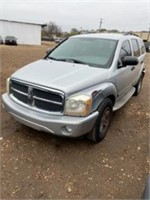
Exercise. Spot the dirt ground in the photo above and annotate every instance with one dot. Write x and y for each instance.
(37, 165)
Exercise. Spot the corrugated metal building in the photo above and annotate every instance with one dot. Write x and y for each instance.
(26, 33)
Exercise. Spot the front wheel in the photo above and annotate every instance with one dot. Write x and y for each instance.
(103, 121)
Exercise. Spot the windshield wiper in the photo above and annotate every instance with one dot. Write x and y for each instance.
(68, 60)
(76, 61)
(57, 59)
(52, 58)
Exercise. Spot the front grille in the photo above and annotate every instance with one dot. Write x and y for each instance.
(20, 87)
(46, 95)
(20, 97)
(47, 106)
(36, 97)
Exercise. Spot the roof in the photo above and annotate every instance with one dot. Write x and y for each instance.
(114, 36)
(37, 24)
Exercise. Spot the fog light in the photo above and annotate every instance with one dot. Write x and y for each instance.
(66, 130)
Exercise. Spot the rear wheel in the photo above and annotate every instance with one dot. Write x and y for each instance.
(138, 86)
(103, 121)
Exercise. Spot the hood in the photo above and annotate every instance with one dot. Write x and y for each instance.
(64, 76)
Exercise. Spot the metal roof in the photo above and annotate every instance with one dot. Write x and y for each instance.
(37, 24)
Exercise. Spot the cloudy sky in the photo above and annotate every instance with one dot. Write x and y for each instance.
(124, 15)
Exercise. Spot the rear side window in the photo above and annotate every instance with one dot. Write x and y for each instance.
(142, 47)
(136, 49)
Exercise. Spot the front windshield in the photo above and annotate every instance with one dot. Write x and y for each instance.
(96, 52)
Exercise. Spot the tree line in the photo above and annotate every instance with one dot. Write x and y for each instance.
(52, 30)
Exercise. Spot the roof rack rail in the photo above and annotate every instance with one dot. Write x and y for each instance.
(130, 33)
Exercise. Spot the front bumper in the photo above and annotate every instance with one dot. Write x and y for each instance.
(55, 124)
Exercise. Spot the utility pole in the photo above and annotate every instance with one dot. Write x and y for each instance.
(100, 24)
(148, 36)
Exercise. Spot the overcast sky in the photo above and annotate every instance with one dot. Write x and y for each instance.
(124, 15)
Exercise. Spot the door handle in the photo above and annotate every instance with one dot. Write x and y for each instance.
(132, 68)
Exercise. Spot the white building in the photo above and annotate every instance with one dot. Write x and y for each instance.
(26, 33)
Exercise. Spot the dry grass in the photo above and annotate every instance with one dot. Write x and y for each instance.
(15, 57)
(35, 165)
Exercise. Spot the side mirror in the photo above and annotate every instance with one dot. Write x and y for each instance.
(49, 50)
(130, 60)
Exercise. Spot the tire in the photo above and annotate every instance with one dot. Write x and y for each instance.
(138, 86)
(103, 121)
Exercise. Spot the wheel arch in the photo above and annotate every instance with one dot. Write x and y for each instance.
(108, 90)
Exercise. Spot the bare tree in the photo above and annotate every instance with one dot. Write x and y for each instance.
(51, 30)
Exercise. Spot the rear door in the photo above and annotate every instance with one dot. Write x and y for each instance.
(136, 53)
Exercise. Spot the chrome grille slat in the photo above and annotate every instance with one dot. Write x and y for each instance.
(46, 100)
(37, 97)
(25, 94)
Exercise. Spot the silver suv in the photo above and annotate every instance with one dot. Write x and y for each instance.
(76, 87)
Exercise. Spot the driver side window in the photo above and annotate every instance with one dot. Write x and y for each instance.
(125, 51)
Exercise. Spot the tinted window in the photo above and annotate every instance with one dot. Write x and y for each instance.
(125, 49)
(136, 49)
(142, 47)
(95, 52)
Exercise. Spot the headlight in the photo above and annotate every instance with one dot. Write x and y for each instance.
(78, 105)
(7, 85)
